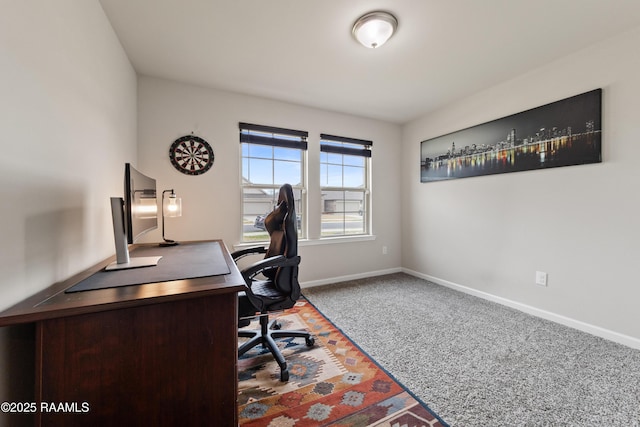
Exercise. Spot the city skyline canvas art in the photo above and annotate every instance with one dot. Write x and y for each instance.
(563, 133)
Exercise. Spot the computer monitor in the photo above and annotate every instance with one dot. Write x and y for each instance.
(133, 215)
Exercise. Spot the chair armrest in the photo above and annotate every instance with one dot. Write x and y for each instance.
(271, 262)
(248, 251)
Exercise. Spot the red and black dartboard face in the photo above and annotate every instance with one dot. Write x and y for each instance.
(191, 155)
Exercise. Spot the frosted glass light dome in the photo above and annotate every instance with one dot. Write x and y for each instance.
(374, 29)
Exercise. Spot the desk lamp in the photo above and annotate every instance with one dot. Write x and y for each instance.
(171, 207)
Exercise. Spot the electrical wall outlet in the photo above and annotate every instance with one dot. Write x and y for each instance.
(541, 278)
(385, 250)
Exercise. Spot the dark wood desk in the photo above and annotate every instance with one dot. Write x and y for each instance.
(162, 353)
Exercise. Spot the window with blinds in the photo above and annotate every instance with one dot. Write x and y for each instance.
(344, 181)
(271, 156)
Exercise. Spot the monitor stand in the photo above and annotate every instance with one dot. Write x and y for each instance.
(135, 262)
(123, 261)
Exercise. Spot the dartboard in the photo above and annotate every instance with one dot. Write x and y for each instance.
(191, 155)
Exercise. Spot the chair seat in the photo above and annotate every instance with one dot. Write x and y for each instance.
(265, 297)
(266, 288)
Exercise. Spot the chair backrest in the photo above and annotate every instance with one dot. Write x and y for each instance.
(282, 226)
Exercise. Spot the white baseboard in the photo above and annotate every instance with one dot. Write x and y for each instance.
(563, 320)
(312, 283)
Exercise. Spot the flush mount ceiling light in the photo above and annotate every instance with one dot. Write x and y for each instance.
(375, 28)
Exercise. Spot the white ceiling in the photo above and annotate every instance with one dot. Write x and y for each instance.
(302, 51)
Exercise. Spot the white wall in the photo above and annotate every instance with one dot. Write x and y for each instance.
(68, 125)
(579, 224)
(211, 202)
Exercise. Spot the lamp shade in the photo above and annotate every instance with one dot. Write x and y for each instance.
(374, 29)
(172, 206)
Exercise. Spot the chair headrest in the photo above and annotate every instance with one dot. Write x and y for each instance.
(282, 225)
(290, 222)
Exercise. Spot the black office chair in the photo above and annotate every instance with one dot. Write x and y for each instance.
(279, 289)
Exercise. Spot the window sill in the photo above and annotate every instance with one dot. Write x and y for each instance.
(336, 240)
(314, 242)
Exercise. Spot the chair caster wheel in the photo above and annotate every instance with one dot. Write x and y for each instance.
(284, 376)
(310, 341)
(276, 326)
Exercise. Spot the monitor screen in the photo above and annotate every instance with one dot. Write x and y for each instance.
(141, 205)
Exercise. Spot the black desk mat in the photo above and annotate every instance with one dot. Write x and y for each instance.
(177, 263)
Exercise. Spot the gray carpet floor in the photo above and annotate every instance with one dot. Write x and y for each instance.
(478, 363)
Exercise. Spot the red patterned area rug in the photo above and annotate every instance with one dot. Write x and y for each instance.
(333, 383)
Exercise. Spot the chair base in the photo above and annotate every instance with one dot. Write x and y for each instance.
(266, 335)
